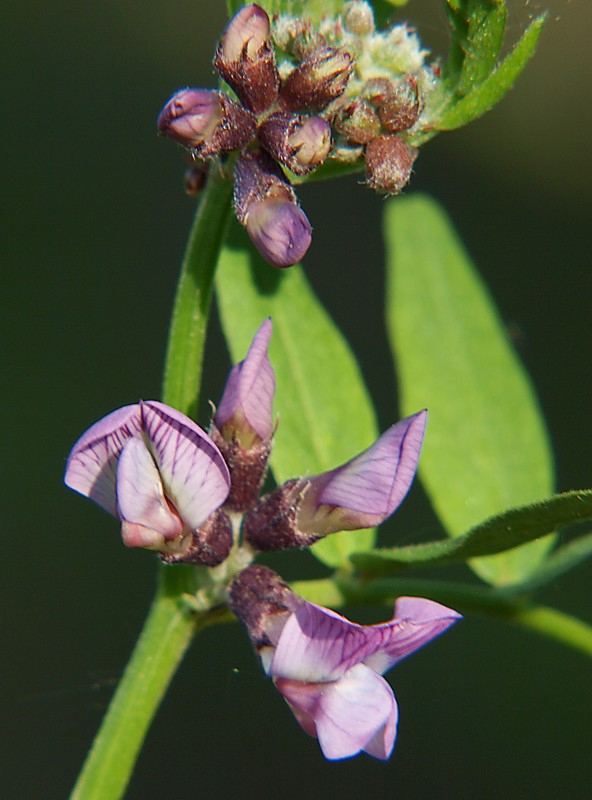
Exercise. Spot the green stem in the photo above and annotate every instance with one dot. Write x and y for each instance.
(556, 625)
(167, 632)
(170, 625)
(187, 333)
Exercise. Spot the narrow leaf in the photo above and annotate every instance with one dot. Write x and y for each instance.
(499, 533)
(477, 34)
(486, 447)
(485, 95)
(325, 413)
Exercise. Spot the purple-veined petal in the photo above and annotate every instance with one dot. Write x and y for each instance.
(368, 489)
(142, 506)
(415, 623)
(92, 463)
(250, 388)
(318, 645)
(357, 712)
(193, 472)
(354, 711)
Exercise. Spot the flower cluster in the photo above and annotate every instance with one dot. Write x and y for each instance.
(194, 497)
(302, 94)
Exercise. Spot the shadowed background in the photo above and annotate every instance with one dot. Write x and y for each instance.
(94, 226)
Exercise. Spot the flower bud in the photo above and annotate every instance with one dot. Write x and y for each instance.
(389, 162)
(246, 61)
(243, 425)
(262, 601)
(357, 122)
(401, 108)
(320, 78)
(206, 121)
(300, 143)
(266, 205)
(358, 17)
(190, 116)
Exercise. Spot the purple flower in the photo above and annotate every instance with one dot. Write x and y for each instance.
(328, 669)
(368, 489)
(245, 410)
(157, 471)
(362, 493)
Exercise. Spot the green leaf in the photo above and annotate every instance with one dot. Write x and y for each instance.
(478, 28)
(499, 533)
(482, 96)
(486, 447)
(325, 413)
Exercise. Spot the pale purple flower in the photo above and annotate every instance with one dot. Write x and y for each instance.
(154, 469)
(366, 490)
(362, 493)
(245, 409)
(329, 670)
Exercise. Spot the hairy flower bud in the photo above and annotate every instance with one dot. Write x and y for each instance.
(299, 142)
(389, 162)
(262, 601)
(401, 108)
(357, 122)
(358, 17)
(266, 205)
(206, 121)
(246, 61)
(320, 78)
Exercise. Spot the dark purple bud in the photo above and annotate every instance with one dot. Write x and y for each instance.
(246, 61)
(319, 79)
(357, 122)
(401, 108)
(266, 205)
(206, 121)
(389, 162)
(299, 142)
(262, 601)
(209, 545)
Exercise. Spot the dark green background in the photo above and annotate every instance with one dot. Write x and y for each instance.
(94, 223)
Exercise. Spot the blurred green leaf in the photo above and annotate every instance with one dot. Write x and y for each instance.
(486, 447)
(325, 413)
(480, 97)
(507, 530)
